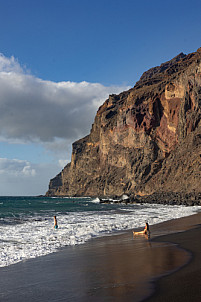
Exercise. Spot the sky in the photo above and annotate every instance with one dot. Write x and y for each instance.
(60, 60)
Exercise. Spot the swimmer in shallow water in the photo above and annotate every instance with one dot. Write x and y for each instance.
(145, 232)
(55, 223)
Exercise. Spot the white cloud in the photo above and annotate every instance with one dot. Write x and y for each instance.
(9, 64)
(16, 167)
(28, 171)
(20, 177)
(63, 162)
(33, 109)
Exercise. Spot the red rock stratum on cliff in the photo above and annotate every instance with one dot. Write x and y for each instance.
(144, 140)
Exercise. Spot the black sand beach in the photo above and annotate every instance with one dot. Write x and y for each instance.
(185, 284)
(114, 268)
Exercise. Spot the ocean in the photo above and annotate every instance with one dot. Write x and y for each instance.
(26, 223)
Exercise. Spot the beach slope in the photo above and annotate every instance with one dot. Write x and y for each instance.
(114, 268)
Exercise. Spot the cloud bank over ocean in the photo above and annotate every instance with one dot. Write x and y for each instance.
(43, 112)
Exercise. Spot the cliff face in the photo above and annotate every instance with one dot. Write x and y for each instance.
(144, 140)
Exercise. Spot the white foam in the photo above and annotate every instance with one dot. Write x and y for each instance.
(36, 238)
(96, 200)
(124, 197)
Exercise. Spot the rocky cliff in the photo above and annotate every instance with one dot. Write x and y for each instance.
(144, 140)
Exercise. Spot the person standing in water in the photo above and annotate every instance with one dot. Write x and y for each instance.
(55, 223)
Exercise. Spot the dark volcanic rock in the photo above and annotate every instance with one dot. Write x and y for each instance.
(145, 140)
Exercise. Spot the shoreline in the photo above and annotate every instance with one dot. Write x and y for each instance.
(110, 268)
(169, 198)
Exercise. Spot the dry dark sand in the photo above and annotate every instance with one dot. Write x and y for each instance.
(114, 268)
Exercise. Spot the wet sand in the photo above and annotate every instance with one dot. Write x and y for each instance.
(185, 284)
(113, 268)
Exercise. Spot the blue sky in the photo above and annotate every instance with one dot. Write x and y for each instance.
(61, 59)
